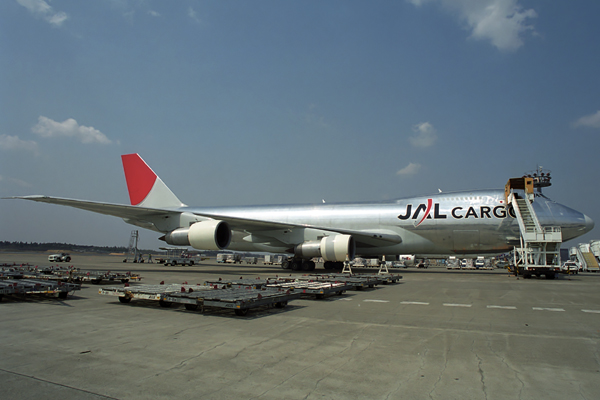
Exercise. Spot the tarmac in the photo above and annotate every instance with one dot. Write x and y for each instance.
(438, 334)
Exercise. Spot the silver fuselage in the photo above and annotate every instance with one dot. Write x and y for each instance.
(462, 223)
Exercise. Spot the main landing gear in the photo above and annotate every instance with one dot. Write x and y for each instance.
(298, 264)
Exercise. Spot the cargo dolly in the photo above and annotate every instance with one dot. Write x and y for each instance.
(357, 281)
(68, 274)
(195, 297)
(256, 283)
(241, 300)
(97, 277)
(31, 287)
(148, 292)
(304, 287)
(370, 279)
(319, 289)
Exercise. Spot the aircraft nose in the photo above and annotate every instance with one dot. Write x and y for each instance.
(589, 223)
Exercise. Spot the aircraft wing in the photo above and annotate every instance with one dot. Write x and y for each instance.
(363, 238)
(137, 215)
(116, 210)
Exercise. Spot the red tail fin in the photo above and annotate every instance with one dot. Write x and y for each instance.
(145, 187)
(139, 176)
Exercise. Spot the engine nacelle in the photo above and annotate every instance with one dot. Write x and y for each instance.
(331, 248)
(204, 235)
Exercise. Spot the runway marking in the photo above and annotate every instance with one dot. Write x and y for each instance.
(504, 307)
(592, 311)
(376, 301)
(420, 303)
(344, 299)
(456, 305)
(547, 309)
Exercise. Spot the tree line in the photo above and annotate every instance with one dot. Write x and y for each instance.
(67, 247)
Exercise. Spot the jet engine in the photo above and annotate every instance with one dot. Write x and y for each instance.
(331, 248)
(204, 235)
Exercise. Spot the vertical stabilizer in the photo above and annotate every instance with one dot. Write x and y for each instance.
(146, 189)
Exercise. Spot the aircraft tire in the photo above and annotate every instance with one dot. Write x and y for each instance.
(306, 265)
(296, 265)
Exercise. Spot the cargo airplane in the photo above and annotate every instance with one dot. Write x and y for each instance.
(460, 224)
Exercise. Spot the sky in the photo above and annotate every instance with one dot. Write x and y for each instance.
(277, 102)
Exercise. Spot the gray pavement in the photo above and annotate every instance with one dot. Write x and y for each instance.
(438, 335)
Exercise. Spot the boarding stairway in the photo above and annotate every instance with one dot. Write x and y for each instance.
(584, 256)
(539, 250)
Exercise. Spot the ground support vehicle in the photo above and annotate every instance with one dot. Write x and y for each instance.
(177, 256)
(24, 287)
(359, 262)
(195, 297)
(539, 250)
(236, 283)
(452, 263)
(280, 260)
(570, 267)
(233, 258)
(97, 277)
(67, 274)
(358, 280)
(373, 262)
(148, 292)
(318, 289)
(268, 260)
(241, 300)
(59, 257)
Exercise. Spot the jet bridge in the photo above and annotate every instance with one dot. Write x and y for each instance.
(539, 249)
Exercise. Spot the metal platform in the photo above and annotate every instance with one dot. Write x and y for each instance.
(66, 274)
(24, 287)
(194, 297)
(241, 300)
(147, 292)
(318, 285)
(319, 289)
(255, 283)
(358, 281)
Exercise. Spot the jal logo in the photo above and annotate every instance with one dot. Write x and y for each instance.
(456, 213)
